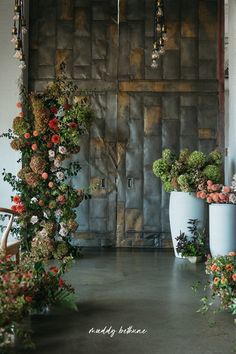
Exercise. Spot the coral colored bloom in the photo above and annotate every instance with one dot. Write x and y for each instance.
(73, 125)
(209, 183)
(216, 280)
(222, 196)
(21, 114)
(20, 208)
(61, 199)
(215, 197)
(226, 189)
(232, 254)
(50, 184)
(61, 283)
(27, 135)
(234, 277)
(229, 267)
(209, 200)
(54, 270)
(53, 124)
(45, 175)
(35, 133)
(28, 298)
(203, 195)
(215, 187)
(34, 147)
(16, 199)
(18, 104)
(55, 139)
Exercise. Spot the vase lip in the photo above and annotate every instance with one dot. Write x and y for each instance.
(222, 204)
(183, 192)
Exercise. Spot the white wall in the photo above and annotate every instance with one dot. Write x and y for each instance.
(9, 75)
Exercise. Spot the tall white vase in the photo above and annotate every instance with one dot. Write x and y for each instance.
(184, 206)
(222, 229)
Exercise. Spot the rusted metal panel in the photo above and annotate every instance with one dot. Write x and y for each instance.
(139, 110)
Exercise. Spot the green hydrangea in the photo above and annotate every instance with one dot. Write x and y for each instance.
(197, 159)
(20, 126)
(161, 169)
(216, 157)
(214, 173)
(183, 181)
(168, 186)
(168, 156)
(184, 155)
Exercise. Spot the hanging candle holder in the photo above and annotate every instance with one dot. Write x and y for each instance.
(18, 31)
(159, 33)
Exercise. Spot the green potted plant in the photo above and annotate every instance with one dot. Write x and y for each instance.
(196, 248)
(181, 176)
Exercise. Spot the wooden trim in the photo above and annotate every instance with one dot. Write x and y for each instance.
(169, 86)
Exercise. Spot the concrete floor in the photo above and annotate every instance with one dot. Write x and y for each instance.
(149, 290)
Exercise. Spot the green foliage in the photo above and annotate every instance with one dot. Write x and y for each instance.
(213, 173)
(188, 170)
(196, 244)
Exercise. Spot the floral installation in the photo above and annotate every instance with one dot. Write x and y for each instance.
(222, 272)
(47, 132)
(188, 170)
(217, 193)
(28, 287)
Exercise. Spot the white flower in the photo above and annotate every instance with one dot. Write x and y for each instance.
(62, 150)
(45, 215)
(60, 113)
(60, 175)
(34, 219)
(57, 163)
(33, 200)
(58, 213)
(51, 153)
(63, 231)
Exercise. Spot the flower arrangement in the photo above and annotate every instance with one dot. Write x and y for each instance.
(188, 170)
(217, 193)
(222, 271)
(196, 245)
(26, 288)
(47, 132)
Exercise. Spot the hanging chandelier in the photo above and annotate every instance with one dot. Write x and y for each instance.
(159, 35)
(18, 31)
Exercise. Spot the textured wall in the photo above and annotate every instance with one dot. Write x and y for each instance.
(139, 110)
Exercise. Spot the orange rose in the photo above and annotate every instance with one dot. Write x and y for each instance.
(18, 104)
(35, 133)
(34, 147)
(234, 277)
(229, 267)
(216, 280)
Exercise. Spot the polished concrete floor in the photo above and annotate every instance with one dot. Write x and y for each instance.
(148, 290)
